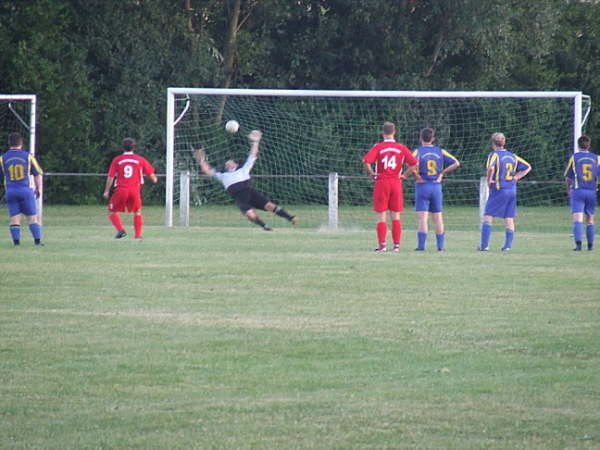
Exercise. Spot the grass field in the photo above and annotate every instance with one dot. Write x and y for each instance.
(212, 337)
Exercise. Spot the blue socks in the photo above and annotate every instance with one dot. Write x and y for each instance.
(440, 240)
(36, 232)
(508, 239)
(486, 232)
(590, 231)
(421, 238)
(578, 232)
(15, 234)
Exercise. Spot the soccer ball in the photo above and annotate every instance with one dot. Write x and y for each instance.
(232, 126)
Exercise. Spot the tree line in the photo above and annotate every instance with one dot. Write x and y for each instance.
(100, 68)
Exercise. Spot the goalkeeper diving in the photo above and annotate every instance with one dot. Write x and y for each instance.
(236, 181)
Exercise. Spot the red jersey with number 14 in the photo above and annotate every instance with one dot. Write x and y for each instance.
(129, 170)
(390, 157)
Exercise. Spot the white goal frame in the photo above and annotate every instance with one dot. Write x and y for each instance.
(32, 130)
(577, 97)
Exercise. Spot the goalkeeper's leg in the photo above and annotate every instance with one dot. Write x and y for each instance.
(275, 209)
(253, 217)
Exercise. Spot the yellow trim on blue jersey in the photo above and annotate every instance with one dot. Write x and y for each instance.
(519, 159)
(569, 164)
(494, 161)
(33, 161)
(446, 153)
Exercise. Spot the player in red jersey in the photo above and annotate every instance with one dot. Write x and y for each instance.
(127, 172)
(389, 157)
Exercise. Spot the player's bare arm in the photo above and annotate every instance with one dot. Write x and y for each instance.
(38, 181)
(200, 156)
(569, 184)
(369, 170)
(409, 172)
(490, 176)
(109, 184)
(254, 137)
(447, 170)
(522, 173)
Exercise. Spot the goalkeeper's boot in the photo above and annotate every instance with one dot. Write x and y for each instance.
(120, 234)
(267, 228)
(295, 220)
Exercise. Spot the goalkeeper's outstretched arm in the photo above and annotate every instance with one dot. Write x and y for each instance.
(254, 137)
(200, 156)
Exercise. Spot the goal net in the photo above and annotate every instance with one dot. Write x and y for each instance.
(17, 114)
(313, 142)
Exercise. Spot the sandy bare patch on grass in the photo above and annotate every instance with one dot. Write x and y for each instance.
(277, 323)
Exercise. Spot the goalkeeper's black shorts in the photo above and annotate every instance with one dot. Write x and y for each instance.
(247, 198)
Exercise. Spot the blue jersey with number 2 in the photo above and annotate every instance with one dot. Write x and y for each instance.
(505, 165)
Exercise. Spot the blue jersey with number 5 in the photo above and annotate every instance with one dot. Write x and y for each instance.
(582, 169)
(16, 166)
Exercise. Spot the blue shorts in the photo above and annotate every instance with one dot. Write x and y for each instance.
(428, 197)
(21, 201)
(583, 201)
(501, 203)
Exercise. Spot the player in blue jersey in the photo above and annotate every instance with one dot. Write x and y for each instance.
(16, 166)
(582, 175)
(433, 164)
(504, 170)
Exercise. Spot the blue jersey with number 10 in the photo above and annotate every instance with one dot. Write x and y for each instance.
(16, 166)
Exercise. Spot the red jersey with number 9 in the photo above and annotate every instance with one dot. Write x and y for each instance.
(390, 157)
(129, 170)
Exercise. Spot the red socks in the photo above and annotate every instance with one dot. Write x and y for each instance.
(396, 231)
(116, 221)
(138, 224)
(381, 233)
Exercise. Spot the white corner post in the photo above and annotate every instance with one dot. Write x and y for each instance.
(184, 198)
(333, 200)
(577, 120)
(484, 192)
(170, 159)
(32, 149)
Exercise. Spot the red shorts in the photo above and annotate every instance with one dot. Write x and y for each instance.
(387, 195)
(125, 198)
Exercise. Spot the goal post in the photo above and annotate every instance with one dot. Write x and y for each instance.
(314, 139)
(18, 114)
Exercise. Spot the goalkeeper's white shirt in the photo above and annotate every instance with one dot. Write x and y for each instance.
(238, 175)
